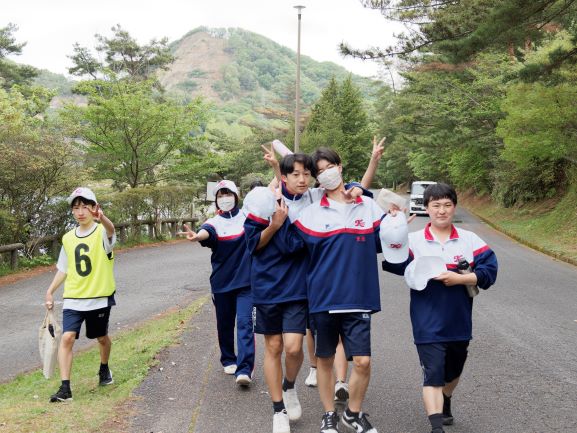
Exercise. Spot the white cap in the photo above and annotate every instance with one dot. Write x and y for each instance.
(228, 184)
(386, 197)
(394, 234)
(260, 201)
(423, 269)
(82, 192)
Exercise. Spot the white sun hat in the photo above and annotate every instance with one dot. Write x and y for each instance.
(423, 269)
(82, 192)
(260, 202)
(394, 234)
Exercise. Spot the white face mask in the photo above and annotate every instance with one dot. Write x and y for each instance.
(330, 179)
(226, 203)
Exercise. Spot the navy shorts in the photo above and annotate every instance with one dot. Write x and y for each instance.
(442, 362)
(353, 328)
(286, 317)
(96, 322)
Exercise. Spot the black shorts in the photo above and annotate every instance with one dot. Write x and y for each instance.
(442, 362)
(287, 317)
(353, 328)
(96, 322)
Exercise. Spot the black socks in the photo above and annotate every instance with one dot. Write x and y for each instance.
(278, 406)
(286, 384)
(436, 421)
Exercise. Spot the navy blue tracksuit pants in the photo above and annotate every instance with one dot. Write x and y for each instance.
(236, 304)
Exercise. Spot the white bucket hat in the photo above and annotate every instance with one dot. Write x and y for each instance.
(260, 202)
(394, 234)
(423, 269)
(82, 192)
(228, 184)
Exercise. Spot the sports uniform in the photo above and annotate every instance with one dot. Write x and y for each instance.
(442, 314)
(230, 286)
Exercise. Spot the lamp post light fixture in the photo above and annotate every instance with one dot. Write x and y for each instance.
(298, 84)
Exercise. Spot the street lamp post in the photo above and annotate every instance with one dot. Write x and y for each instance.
(298, 85)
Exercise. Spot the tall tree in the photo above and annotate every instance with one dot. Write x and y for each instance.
(123, 55)
(131, 134)
(10, 72)
(339, 121)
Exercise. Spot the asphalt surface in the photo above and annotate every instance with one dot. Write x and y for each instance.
(521, 376)
(149, 280)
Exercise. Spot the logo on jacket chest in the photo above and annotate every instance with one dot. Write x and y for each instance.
(359, 223)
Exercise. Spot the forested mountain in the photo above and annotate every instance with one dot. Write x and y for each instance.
(250, 78)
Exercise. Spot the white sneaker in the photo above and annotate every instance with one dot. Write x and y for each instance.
(341, 391)
(230, 369)
(280, 422)
(292, 404)
(243, 380)
(311, 379)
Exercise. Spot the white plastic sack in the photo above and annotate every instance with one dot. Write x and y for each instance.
(49, 336)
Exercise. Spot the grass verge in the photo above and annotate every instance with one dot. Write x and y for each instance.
(549, 226)
(24, 405)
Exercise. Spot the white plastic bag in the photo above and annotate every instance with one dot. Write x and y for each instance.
(49, 336)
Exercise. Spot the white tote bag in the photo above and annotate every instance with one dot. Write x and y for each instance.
(48, 340)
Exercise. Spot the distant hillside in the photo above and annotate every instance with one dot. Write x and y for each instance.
(249, 77)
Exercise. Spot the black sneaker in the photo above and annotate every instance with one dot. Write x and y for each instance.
(447, 415)
(330, 422)
(63, 394)
(358, 423)
(105, 377)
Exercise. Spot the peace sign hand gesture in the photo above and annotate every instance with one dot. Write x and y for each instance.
(190, 235)
(96, 213)
(269, 156)
(378, 148)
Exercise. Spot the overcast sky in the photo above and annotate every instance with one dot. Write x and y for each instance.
(50, 28)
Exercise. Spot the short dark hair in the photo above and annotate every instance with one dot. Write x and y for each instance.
(437, 191)
(287, 163)
(254, 184)
(328, 155)
(82, 200)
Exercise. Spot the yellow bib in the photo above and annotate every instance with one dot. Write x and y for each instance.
(90, 270)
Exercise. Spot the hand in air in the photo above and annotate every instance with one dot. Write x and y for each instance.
(269, 155)
(190, 235)
(378, 148)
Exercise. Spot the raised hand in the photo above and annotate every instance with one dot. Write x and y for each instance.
(96, 213)
(190, 235)
(269, 155)
(378, 148)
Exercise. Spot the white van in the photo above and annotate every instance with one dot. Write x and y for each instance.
(416, 202)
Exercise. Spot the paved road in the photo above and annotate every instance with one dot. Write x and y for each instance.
(521, 376)
(149, 280)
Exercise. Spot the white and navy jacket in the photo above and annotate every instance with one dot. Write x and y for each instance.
(230, 258)
(440, 313)
(342, 241)
(279, 270)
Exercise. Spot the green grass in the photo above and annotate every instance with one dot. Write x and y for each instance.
(25, 264)
(549, 226)
(24, 405)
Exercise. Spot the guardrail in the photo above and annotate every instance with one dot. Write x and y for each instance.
(154, 229)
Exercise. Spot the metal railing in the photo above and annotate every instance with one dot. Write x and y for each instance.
(154, 229)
